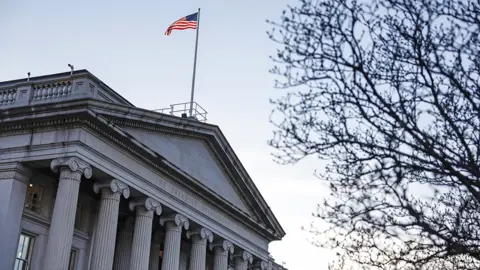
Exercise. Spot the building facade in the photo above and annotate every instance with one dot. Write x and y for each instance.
(89, 181)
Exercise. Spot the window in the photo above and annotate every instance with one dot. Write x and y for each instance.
(72, 260)
(24, 252)
(34, 198)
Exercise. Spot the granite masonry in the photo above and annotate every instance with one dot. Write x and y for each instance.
(89, 181)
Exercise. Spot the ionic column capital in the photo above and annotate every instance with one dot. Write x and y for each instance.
(178, 220)
(260, 265)
(200, 234)
(148, 203)
(74, 164)
(223, 246)
(115, 185)
(244, 256)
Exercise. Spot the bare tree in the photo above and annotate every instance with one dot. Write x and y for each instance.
(388, 92)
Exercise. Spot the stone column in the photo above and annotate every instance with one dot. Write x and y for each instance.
(270, 264)
(154, 261)
(61, 229)
(145, 208)
(104, 245)
(198, 254)
(123, 248)
(14, 178)
(242, 260)
(260, 265)
(221, 250)
(173, 235)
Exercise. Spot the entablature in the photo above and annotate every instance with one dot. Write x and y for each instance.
(183, 188)
(109, 117)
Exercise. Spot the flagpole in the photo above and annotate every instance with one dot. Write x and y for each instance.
(194, 64)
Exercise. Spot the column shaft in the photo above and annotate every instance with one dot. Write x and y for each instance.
(221, 250)
(241, 264)
(220, 259)
(171, 250)
(123, 248)
(242, 260)
(198, 253)
(141, 239)
(61, 229)
(104, 245)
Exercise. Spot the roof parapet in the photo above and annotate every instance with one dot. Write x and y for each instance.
(56, 88)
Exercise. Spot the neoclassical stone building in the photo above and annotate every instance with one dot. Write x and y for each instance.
(89, 181)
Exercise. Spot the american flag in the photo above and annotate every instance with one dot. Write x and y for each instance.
(187, 22)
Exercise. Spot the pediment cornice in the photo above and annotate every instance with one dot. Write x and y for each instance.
(85, 113)
(250, 193)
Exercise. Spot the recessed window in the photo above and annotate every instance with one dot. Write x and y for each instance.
(34, 198)
(72, 260)
(24, 252)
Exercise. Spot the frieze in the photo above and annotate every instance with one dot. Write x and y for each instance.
(193, 202)
(17, 171)
(203, 208)
(7, 175)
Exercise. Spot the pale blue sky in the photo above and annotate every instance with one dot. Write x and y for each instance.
(123, 44)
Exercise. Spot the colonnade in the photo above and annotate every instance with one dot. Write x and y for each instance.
(138, 246)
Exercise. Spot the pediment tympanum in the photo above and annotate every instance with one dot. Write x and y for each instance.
(192, 156)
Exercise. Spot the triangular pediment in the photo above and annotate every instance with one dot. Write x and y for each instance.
(193, 157)
(195, 154)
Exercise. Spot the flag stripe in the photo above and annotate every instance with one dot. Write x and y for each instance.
(187, 22)
(183, 27)
(183, 24)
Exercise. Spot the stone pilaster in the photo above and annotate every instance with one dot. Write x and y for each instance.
(142, 235)
(154, 261)
(14, 179)
(198, 254)
(123, 248)
(61, 229)
(242, 260)
(221, 249)
(173, 235)
(260, 265)
(104, 245)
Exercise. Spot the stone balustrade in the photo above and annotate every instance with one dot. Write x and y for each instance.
(51, 90)
(7, 96)
(57, 88)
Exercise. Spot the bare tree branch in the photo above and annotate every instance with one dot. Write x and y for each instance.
(389, 95)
